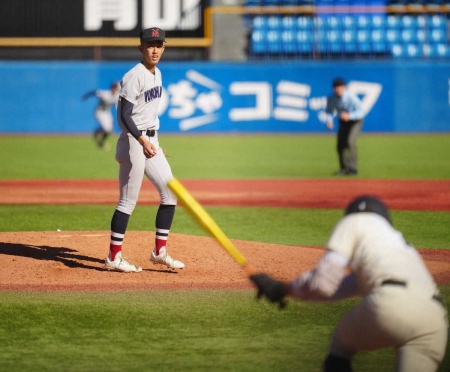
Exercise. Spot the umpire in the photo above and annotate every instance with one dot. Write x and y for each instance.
(348, 108)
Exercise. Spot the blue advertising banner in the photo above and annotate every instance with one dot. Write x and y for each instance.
(45, 97)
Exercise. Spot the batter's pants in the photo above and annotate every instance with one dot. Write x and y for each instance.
(347, 134)
(393, 316)
(133, 166)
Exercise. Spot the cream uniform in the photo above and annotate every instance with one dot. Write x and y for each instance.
(143, 89)
(401, 307)
(107, 99)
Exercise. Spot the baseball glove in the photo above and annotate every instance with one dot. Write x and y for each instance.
(274, 290)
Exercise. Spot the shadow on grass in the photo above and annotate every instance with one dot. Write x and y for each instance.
(66, 256)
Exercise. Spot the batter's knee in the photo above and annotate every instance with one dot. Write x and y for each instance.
(334, 363)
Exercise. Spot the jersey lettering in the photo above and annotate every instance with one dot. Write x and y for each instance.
(153, 93)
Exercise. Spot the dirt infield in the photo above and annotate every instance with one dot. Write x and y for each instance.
(74, 260)
(431, 195)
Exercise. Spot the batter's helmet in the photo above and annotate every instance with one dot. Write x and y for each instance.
(367, 203)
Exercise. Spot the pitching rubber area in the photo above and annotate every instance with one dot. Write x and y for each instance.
(75, 260)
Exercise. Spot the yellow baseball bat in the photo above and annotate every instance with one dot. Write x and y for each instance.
(206, 221)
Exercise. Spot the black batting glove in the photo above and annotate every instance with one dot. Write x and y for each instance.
(274, 290)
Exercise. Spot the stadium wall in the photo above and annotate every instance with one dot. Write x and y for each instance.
(45, 97)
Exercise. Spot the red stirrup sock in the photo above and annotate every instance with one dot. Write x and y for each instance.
(160, 239)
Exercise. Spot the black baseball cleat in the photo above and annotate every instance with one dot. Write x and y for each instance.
(341, 172)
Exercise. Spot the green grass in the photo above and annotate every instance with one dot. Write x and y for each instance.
(224, 156)
(169, 331)
(270, 225)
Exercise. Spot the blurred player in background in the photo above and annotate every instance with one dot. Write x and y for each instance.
(348, 108)
(106, 100)
(139, 153)
(401, 307)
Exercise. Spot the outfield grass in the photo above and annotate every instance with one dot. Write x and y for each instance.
(224, 156)
(269, 225)
(169, 331)
(199, 330)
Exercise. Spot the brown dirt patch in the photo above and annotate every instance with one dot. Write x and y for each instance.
(431, 195)
(74, 260)
(70, 260)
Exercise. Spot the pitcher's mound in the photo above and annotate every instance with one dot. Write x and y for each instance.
(75, 260)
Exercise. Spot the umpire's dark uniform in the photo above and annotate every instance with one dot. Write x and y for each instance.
(349, 109)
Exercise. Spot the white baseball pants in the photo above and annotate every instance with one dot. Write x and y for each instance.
(133, 166)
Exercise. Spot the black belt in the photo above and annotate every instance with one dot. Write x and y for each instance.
(149, 132)
(393, 282)
(403, 284)
(438, 299)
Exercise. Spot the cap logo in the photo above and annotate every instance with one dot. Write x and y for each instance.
(155, 33)
(362, 206)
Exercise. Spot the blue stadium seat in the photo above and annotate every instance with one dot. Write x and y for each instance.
(333, 22)
(437, 36)
(334, 38)
(349, 22)
(378, 36)
(349, 37)
(398, 51)
(435, 51)
(427, 50)
(437, 22)
(363, 21)
(288, 41)
(273, 42)
(259, 23)
(274, 23)
(288, 23)
(408, 36)
(304, 41)
(408, 22)
(304, 37)
(378, 21)
(320, 23)
(442, 50)
(421, 35)
(334, 35)
(362, 36)
(258, 42)
(393, 36)
(363, 41)
(413, 51)
(304, 23)
(364, 47)
(393, 21)
(350, 47)
(379, 47)
(421, 21)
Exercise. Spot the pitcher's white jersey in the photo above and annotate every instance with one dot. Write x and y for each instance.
(143, 89)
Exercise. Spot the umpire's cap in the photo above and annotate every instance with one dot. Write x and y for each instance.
(152, 34)
(368, 203)
(338, 82)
